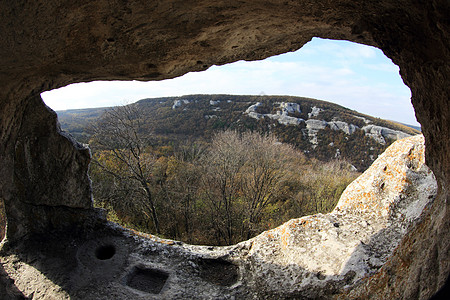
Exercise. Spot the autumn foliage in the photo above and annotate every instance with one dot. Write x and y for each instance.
(217, 193)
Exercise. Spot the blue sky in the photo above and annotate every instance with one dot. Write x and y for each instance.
(356, 76)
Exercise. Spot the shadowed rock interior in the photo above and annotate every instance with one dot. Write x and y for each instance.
(43, 173)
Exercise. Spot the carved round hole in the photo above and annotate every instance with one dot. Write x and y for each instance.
(105, 252)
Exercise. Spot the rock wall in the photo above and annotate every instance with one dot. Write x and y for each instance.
(45, 45)
(42, 190)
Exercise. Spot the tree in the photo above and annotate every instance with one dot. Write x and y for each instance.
(126, 157)
(219, 193)
(322, 186)
(268, 164)
(222, 164)
(243, 174)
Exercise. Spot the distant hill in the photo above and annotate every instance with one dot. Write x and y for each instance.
(76, 121)
(321, 129)
(417, 128)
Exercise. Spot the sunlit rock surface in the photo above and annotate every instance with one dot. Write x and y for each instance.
(311, 257)
(380, 133)
(281, 114)
(320, 254)
(313, 125)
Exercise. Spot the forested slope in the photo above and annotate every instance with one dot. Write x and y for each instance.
(320, 129)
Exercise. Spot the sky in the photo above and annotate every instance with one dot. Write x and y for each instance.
(356, 76)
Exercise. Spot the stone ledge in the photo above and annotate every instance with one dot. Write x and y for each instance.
(314, 256)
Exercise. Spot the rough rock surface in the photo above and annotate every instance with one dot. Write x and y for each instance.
(281, 115)
(48, 44)
(380, 133)
(313, 125)
(319, 256)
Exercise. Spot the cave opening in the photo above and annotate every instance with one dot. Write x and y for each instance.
(352, 75)
(106, 40)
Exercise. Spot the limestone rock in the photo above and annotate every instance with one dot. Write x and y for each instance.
(282, 115)
(284, 119)
(345, 127)
(289, 108)
(312, 127)
(314, 112)
(380, 133)
(352, 242)
(49, 44)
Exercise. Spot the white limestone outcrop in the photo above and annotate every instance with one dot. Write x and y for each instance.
(312, 128)
(345, 127)
(282, 115)
(251, 111)
(178, 103)
(283, 118)
(314, 112)
(380, 133)
(289, 107)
